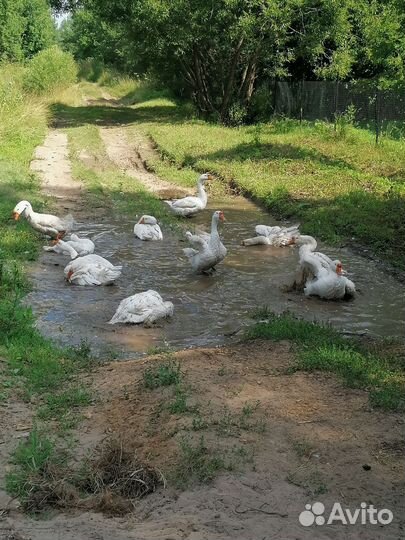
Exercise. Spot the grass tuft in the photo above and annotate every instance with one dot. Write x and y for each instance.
(322, 348)
(165, 373)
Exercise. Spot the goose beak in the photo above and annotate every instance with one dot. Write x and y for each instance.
(222, 217)
(16, 216)
(60, 235)
(142, 221)
(339, 269)
(210, 177)
(291, 241)
(69, 275)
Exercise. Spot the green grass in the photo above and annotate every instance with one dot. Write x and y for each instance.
(378, 369)
(339, 184)
(33, 367)
(165, 373)
(31, 459)
(198, 463)
(57, 405)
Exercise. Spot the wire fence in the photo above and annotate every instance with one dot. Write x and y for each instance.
(360, 101)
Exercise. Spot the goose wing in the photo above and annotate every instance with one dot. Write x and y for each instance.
(186, 202)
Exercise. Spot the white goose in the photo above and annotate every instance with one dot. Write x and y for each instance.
(322, 276)
(90, 269)
(82, 246)
(273, 236)
(146, 307)
(44, 223)
(207, 250)
(147, 228)
(188, 206)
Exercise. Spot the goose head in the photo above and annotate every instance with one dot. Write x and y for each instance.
(218, 216)
(148, 220)
(205, 177)
(20, 208)
(339, 267)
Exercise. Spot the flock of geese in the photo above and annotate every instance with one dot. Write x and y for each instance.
(317, 274)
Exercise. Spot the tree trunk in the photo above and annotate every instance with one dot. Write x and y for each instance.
(229, 89)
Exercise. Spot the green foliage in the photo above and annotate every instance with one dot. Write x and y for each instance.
(50, 70)
(322, 348)
(220, 53)
(26, 27)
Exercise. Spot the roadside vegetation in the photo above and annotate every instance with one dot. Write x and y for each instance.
(32, 368)
(377, 366)
(342, 187)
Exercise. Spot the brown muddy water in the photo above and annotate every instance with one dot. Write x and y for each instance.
(208, 310)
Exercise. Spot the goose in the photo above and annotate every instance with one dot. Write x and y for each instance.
(273, 236)
(188, 206)
(82, 246)
(44, 223)
(147, 228)
(321, 275)
(90, 269)
(207, 250)
(145, 307)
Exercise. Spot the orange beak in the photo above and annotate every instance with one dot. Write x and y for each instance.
(339, 269)
(221, 216)
(291, 241)
(142, 221)
(16, 216)
(60, 235)
(69, 275)
(210, 177)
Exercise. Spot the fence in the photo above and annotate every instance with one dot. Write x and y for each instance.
(327, 100)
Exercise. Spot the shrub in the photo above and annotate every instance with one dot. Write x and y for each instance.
(51, 69)
(91, 69)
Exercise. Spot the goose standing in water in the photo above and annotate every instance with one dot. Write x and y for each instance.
(188, 206)
(208, 249)
(89, 269)
(273, 236)
(82, 246)
(320, 275)
(147, 228)
(146, 307)
(44, 223)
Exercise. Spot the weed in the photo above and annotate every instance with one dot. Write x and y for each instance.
(197, 463)
(302, 448)
(58, 405)
(165, 373)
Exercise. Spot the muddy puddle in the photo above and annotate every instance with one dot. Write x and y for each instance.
(208, 310)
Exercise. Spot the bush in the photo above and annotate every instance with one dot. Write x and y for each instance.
(91, 69)
(51, 69)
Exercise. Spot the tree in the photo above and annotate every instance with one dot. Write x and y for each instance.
(26, 27)
(218, 52)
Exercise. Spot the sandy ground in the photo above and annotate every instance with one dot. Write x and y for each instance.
(307, 439)
(131, 158)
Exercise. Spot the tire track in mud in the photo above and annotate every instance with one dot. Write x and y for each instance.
(131, 158)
